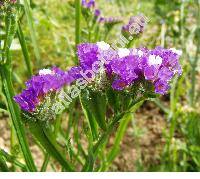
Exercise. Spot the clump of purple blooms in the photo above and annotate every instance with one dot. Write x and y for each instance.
(97, 12)
(110, 20)
(124, 67)
(48, 80)
(136, 23)
(88, 3)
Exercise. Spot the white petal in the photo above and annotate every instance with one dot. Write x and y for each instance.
(45, 72)
(178, 52)
(140, 53)
(123, 52)
(135, 51)
(154, 60)
(103, 46)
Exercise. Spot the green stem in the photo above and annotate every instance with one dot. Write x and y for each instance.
(118, 138)
(77, 24)
(15, 116)
(5, 72)
(161, 106)
(163, 33)
(45, 163)
(46, 139)
(3, 165)
(115, 122)
(12, 160)
(195, 62)
(24, 49)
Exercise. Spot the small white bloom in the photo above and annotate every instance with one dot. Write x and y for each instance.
(140, 53)
(103, 46)
(123, 52)
(45, 72)
(178, 52)
(135, 51)
(154, 60)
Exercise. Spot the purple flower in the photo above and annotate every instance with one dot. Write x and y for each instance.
(88, 54)
(165, 74)
(73, 74)
(161, 87)
(97, 12)
(135, 25)
(101, 19)
(130, 65)
(88, 3)
(119, 84)
(110, 20)
(40, 85)
(123, 67)
(150, 73)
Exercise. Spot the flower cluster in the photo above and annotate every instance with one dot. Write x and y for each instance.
(48, 80)
(135, 24)
(110, 20)
(88, 3)
(123, 68)
(126, 66)
(91, 6)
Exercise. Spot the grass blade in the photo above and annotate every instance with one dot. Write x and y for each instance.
(77, 24)
(3, 165)
(15, 116)
(13, 160)
(49, 144)
(24, 49)
(32, 30)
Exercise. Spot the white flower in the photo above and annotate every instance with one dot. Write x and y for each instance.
(103, 46)
(123, 52)
(178, 52)
(140, 53)
(135, 51)
(154, 60)
(45, 72)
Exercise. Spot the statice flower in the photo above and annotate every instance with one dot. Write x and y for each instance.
(121, 69)
(110, 20)
(88, 3)
(97, 12)
(48, 80)
(157, 66)
(128, 66)
(135, 25)
(88, 54)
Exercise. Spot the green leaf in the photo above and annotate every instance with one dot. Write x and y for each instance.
(91, 121)
(118, 138)
(97, 104)
(113, 99)
(24, 49)
(13, 160)
(15, 116)
(77, 24)
(3, 165)
(45, 137)
(5, 71)
(31, 25)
